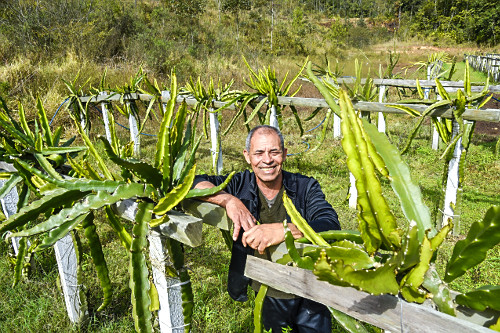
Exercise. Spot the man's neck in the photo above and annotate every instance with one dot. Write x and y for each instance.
(270, 189)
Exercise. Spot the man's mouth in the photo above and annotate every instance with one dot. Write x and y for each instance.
(267, 168)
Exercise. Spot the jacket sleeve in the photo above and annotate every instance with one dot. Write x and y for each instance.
(318, 212)
(216, 180)
(234, 187)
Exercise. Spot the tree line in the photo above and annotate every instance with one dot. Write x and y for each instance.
(162, 33)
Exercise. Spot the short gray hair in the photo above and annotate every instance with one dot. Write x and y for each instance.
(265, 128)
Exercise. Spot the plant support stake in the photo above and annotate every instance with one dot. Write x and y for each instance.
(216, 144)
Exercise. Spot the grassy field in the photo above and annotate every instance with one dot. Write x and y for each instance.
(36, 304)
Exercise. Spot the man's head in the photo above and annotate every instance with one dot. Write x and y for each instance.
(265, 152)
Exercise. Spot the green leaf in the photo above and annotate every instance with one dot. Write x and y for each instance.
(410, 285)
(374, 209)
(57, 233)
(257, 311)
(405, 108)
(76, 184)
(139, 273)
(323, 90)
(93, 151)
(351, 254)
(178, 129)
(336, 235)
(45, 165)
(472, 250)
(61, 150)
(24, 123)
(441, 90)
(195, 192)
(366, 280)
(408, 192)
(302, 262)
(441, 294)
(481, 298)
(49, 201)
(91, 202)
(301, 223)
(20, 260)
(171, 199)
(350, 324)
(13, 180)
(95, 246)
(143, 170)
(42, 115)
(153, 296)
(256, 109)
(114, 221)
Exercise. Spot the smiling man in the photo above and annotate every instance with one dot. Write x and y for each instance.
(258, 196)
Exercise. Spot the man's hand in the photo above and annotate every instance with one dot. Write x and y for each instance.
(235, 209)
(240, 215)
(262, 236)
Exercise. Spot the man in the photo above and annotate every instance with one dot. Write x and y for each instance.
(257, 196)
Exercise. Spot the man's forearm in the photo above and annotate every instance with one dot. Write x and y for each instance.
(220, 198)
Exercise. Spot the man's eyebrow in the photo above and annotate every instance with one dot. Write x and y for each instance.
(263, 150)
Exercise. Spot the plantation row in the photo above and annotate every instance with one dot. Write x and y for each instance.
(97, 182)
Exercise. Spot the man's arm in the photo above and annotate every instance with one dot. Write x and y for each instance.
(235, 209)
(264, 235)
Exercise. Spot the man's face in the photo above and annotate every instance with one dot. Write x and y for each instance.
(265, 156)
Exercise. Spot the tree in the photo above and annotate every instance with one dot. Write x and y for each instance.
(234, 7)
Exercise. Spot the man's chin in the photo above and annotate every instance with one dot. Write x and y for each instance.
(268, 178)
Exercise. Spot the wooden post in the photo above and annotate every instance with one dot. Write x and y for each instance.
(380, 118)
(105, 116)
(67, 264)
(435, 135)
(337, 132)
(169, 288)
(65, 256)
(135, 136)
(273, 121)
(216, 144)
(453, 181)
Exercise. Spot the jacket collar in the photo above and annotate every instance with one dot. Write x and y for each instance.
(290, 184)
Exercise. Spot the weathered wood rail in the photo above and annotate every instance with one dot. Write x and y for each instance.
(488, 63)
(385, 311)
(490, 115)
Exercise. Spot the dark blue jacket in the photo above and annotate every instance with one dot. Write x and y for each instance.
(306, 195)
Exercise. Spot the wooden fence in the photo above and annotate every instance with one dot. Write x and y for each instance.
(488, 63)
(453, 184)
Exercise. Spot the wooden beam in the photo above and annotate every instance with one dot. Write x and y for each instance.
(475, 87)
(210, 213)
(491, 115)
(184, 228)
(384, 311)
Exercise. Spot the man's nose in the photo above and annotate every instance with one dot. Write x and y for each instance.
(266, 158)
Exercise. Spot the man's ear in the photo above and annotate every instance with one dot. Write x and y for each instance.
(285, 151)
(247, 155)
